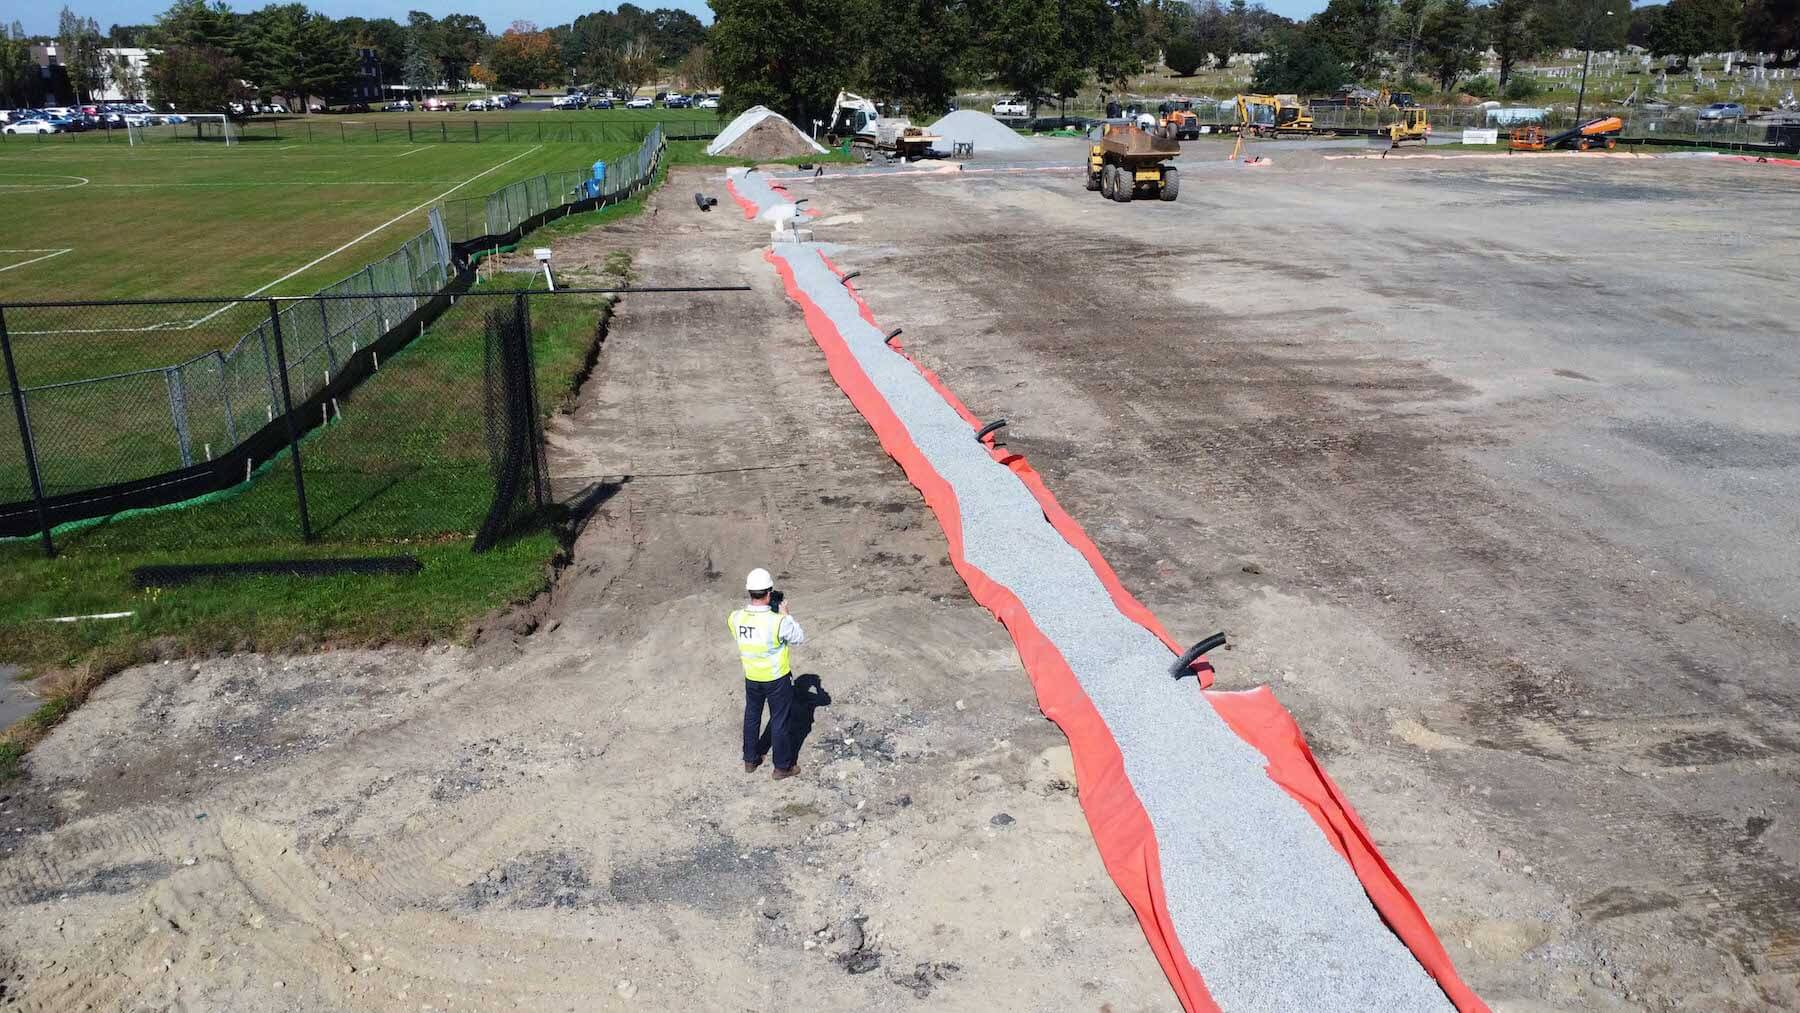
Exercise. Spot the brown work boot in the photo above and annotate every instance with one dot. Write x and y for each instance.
(781, 772)
(750, 768)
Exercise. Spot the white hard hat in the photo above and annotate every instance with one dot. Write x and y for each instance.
(759, 580)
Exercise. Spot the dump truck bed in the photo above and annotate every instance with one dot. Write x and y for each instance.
(1131, 147)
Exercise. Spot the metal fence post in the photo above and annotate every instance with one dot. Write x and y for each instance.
(287, 414)
(25, 440)
(177, 386)
(325, 329)
(225, 396)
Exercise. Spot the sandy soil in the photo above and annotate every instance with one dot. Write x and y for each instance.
(557, 818)
(1487, 466)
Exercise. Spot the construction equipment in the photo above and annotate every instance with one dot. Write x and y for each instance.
(1273, 115)
(1180, 121)
(1129, 159)
(859, 119)
(1602, 132)
(849, 115)
(895, 137)
(1414, 125)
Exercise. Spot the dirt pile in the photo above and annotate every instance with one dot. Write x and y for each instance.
(759, 132)
(774, 137)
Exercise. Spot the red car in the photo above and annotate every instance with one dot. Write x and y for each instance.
(438, 105)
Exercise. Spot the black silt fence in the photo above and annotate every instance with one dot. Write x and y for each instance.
(515, 438)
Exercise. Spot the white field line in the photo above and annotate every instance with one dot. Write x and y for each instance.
(404, 214)
(190, 324)
(414, 151)
(278, 182)
(97, 615)
(47, 254)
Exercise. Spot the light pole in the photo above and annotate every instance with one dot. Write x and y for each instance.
(1581, 96)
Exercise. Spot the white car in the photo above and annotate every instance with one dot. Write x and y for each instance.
(709, 102)
(640, 103)
(29, 127)
(1011, 108)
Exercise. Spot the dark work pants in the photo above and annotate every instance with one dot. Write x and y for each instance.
(779, 695)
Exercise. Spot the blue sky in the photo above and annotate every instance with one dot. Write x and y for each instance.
(40, 18)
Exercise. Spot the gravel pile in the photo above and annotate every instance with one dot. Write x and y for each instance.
(989, 135)
(1270, 914)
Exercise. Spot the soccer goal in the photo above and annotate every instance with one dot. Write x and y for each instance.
(183, 126)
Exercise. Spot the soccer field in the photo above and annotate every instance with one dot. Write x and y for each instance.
(115, 221)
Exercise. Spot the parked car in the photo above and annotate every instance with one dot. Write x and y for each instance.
(1011, 108)
(572, 101)
(476, 105)
(674, 101)
(1723, 111)
(439, 105)
(640, 103)
(32, 126)
(708, 102)
(603, 103)
(398, 106)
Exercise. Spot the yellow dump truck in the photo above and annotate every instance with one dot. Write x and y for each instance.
(1129, 161)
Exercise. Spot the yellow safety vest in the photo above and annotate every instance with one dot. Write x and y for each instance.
(760, 647)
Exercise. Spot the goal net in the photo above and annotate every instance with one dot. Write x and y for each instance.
(214, 127)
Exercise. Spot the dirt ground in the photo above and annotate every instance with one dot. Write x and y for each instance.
(558, 818)
(1488, 466)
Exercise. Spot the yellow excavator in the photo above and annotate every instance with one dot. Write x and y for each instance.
(1273, 116)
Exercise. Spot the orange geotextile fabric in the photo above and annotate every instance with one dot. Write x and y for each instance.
(1122, 830)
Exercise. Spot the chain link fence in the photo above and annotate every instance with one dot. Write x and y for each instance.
(90, 429)
(377, 128)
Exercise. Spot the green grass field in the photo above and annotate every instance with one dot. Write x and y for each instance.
(192, 219)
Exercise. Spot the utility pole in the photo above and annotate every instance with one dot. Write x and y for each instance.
(1581, 96)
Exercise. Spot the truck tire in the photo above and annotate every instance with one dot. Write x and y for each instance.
(1171, 184)
(1124, 185)
(1106, 182)
(1093, 181)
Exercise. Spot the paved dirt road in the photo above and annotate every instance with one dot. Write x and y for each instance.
(1488, 466)
(560, 821)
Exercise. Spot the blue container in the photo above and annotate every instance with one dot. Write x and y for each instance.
(597, 185)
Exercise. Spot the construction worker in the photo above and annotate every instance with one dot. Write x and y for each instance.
(763, 636)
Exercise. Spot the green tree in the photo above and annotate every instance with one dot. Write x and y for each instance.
(634, 64)
(1300, 61)
(1355, 30)
(1450, 42)
(1515, 31)
(790, 55)
(1687, 28)
(383, 35)
(695, 70)
(17, 71)
(197, 23)
(195, 78)
(1214, 31)
(296, 53)
(78, 44)
(1773, 26)
(1184, 54)
(923, 44)
(419, 68)
(459, 41)
(524, 57)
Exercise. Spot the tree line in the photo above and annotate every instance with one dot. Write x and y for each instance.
(795, 55)
(1442, 41)
(205, 55)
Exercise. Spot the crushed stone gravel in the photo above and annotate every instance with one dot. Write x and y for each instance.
(1267, 911)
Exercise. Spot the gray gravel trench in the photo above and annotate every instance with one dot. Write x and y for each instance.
(1265, 909)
